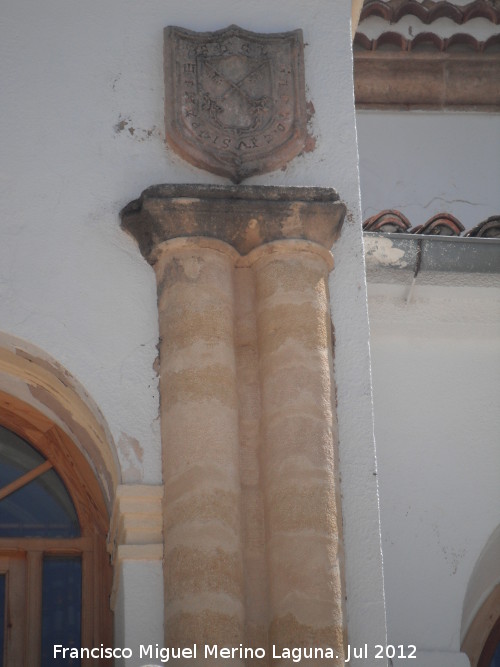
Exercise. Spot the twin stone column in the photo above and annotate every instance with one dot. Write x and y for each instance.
(252, 555)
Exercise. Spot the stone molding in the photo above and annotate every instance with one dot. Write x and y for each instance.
(245, 217)
(411, 80)
(137, 517)
(283, 246)
(136, 528)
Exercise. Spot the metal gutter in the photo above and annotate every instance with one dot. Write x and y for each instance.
(414, 252)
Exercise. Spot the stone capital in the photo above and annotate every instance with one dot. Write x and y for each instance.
(244, 217)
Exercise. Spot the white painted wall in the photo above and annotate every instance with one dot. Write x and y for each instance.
(81, 135)
(139, 610)
(436, 379)
(423, 163)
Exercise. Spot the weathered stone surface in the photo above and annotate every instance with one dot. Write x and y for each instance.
(298, 455)
(251, 506)
(242, 216)
(204, 598)
(405, 80)
(235, 101)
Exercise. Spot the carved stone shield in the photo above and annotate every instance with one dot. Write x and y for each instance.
(235, 100)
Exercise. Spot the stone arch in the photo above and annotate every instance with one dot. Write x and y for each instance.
(33, 383)
(481, 611)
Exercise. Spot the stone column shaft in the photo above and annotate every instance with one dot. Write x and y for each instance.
(298, 445)
(251, 518)
(252, 499)
(199, 407)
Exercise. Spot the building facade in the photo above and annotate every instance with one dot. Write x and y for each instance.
(186, 385)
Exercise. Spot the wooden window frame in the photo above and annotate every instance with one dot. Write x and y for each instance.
(483, 634)
(80, 481)
(490, 646)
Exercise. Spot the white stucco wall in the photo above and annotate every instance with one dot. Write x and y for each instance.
(139, 610)
(436, 379)
(82, 134)
(424, 163)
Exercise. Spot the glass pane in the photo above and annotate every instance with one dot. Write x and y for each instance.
(16, 457)
(42, 508)
(2, 615)
(61, 609)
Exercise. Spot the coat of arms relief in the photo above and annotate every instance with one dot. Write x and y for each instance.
(235, 100)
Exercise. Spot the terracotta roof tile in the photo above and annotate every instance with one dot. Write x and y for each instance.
(461, 42)
(390, 39)
(442, 224)
(391, 221)
(489, 228)
(362, 42)
(426, 41)
(429, 10)
(492, 44)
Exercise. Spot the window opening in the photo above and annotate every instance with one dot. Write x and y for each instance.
(33, 500)
(55, 575)
(61, 607)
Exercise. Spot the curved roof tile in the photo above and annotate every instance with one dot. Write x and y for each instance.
(489, 228)
(389, 221)
(457, 42)
(430, 10)
(392, 221)
(442, 224)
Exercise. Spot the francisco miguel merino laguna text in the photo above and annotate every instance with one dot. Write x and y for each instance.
(155, 651)
(295, 654)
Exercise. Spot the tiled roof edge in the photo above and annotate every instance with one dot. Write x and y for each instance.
(487, 228)
(443, 224)
(429, 10)
(426, 39)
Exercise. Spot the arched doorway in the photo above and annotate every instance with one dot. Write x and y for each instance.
(55, 576)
